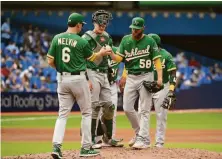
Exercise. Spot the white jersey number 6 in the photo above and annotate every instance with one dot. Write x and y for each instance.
(145, 63)
(65, 54)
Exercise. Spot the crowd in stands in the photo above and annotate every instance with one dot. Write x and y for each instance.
(24, 67)
(23, 60)
(191, 73)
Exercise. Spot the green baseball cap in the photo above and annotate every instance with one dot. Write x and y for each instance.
(75, 18)
(156, 38)
(137, 23)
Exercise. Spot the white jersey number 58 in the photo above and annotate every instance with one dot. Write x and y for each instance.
(145, 63)
(65, 54)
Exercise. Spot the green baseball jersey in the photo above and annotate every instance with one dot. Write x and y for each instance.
(96, 42)
(138, 55)
(69, 52)
(113, 65)
(167, 64)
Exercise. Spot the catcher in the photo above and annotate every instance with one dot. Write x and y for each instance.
(163, 97)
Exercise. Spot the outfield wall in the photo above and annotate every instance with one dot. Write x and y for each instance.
(206, 96)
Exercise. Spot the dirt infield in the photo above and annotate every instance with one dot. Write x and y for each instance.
(128, 153)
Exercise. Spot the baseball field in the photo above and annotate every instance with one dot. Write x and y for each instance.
(192, 134)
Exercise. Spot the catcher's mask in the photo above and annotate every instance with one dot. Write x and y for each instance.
(101, 17)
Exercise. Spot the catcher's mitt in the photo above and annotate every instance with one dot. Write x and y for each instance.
(169, 101)
(152, 87)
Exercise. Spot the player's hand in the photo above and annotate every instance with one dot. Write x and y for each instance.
(90, 85)
(105, 51)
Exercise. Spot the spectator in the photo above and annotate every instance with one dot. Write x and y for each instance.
(193, 81)
(28, 73)
(217, 68)
(6, 31)
(193, 62)
(42, 60)
(5, 71)
(44, 87)
(12, 48)
(16, 83)
(180, 79)
(26, 83)
(182, 61)
(29, 41)
(34, 88)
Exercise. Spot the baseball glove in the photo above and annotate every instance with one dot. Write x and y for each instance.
(152, 87)
(169, 101)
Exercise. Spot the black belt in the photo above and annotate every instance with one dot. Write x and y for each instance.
(137, 73)
(100, 70)
(72, 73)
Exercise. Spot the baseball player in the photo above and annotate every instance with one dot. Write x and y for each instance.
(113, 71)
(138, 51)
(160, 99)
(97, 72)
(112, 77)
(67, 54)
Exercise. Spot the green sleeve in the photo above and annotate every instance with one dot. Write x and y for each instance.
(120, 50)
(52, 49)
(92, 43)
(87, 50)
(114, 49)
(170, 65)
(155, 51)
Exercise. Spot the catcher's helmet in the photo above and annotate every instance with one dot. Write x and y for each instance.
(101, 17)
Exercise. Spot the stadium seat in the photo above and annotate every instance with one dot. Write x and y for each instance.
(35, 80)
(9, 63)
(2, 47)
(52, 87)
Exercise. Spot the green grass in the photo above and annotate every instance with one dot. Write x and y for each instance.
(175, 121)
(19, 148)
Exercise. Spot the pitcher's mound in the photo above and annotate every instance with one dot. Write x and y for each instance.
(128, 153)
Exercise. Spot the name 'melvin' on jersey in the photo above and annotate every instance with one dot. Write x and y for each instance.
(67, 41)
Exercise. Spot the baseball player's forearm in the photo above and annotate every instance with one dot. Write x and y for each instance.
(172, 79)
(98, 55)
(116, 57)
(158, 66)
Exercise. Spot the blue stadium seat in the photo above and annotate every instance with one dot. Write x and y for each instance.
(9, 63)
(182, 70)
(52, 87)
(2, 47)
(35, 80)
(53, 75)
(46, 71)
(205, 69)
